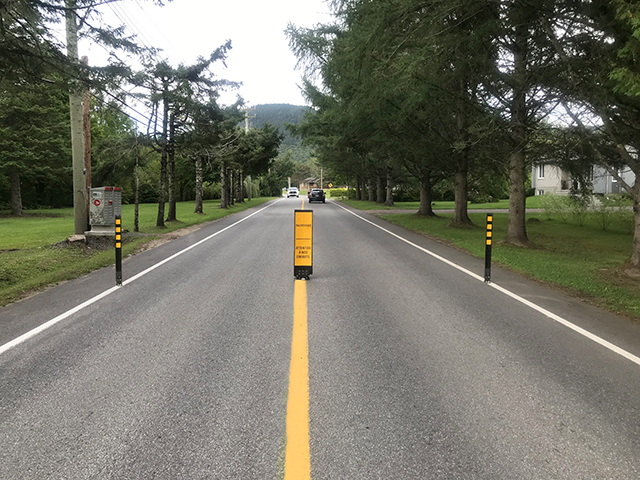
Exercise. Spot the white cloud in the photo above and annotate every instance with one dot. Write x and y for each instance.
(260, 57)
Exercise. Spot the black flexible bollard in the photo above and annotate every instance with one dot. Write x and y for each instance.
(487, 251)
(118, 250)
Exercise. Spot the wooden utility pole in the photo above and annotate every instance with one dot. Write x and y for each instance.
(246, 130)
(86, 130)
(80, 201)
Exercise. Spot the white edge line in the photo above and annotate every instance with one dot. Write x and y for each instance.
(32, 333)
(547, 313)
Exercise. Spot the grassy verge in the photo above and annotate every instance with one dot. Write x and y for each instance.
(532, 202)
(30, 259)
(584, 261)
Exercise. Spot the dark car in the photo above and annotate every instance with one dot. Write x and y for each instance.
(316, 195)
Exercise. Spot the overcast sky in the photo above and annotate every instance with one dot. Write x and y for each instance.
(260, 57)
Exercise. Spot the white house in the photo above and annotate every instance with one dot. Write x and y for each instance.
(552, 180)
(604, 182)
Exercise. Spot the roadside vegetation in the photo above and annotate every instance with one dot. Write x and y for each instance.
(462, 100)
(532, 202)
(34, 253)
(585, 254)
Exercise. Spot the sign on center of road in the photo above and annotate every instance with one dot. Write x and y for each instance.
(303, 244)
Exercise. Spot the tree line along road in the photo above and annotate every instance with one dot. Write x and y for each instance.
(416, 368)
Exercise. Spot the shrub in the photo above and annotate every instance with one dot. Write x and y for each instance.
(147, 193)
(475, 197)
(579, 208)
(556, 206)
(211, 191)
(603, 213)
(342, 192)
(406, 194)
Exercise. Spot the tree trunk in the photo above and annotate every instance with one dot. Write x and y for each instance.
(635, 252)
(426, 208)
(516, 229)
(249, 188)
(240, 188)
(380, 189)
(137, 193)
(461, 214)
(199, 184)
(358, 188)
(224, 192)
(171, 215)
(635, 193)
(163, 158)
(389, 200)
(231, 184)
(16, 193)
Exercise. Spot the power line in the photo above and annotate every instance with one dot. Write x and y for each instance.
(127, 22)
(144, 12)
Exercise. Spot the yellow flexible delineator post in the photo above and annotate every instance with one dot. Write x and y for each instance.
(303, 243)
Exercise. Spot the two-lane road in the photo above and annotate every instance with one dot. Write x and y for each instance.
(416, 369)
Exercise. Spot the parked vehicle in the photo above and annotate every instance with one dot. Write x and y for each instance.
(316, 195)
(293, 192)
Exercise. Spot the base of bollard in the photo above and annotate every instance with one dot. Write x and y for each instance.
(302, 272)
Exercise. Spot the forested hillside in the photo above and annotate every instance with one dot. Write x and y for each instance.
(279, 114)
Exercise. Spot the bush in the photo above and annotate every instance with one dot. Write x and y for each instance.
(349, 193)
(603, 214)
(475, 197)
(579, 208)
(211, 191)
(406, 194)
(147, 193)
(556, 206)
(622, 214)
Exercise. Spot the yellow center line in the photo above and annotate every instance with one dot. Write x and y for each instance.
(298, 457)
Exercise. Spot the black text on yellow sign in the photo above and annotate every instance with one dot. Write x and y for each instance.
(303, 243)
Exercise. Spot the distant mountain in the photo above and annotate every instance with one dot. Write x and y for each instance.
(277, 114)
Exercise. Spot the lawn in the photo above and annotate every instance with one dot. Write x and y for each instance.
(532, 202)
(585, 261)
(30, 258)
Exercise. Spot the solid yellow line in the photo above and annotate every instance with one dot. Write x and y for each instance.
(298, 457)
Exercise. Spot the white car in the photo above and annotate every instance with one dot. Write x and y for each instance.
(293, 192)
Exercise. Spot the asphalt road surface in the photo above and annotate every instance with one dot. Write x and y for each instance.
(416, 368)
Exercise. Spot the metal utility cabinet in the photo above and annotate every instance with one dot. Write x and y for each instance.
(106, 203)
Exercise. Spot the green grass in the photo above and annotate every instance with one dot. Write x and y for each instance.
(532, 202)
(584, 261)
(29, 259)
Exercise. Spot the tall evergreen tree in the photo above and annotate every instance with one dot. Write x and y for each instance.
(34, 143)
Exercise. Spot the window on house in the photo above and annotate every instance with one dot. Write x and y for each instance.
(541, 171)
(540, 192)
